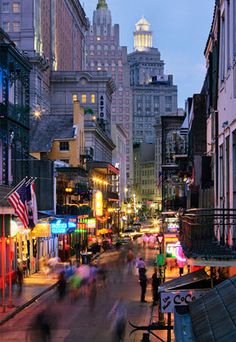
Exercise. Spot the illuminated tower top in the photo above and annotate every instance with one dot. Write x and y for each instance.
(102, 4)
(142, 35)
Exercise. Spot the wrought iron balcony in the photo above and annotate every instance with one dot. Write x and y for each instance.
(209, 233)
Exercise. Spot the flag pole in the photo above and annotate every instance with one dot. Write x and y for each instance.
(16, 187)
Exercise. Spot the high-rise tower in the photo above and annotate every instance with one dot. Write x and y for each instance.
(142, 35)
(153, 92)
(104, 53)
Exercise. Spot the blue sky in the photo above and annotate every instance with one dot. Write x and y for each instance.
(180, 28)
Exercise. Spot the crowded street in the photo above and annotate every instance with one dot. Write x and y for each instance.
(74, 318)
(117, 171)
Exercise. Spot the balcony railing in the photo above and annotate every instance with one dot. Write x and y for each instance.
(209, 233)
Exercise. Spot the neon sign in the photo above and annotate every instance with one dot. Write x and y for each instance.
(59, 226)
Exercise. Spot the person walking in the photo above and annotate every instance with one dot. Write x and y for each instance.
(61, 286)
(143, 283)
(130, 262)
(119, 318)
(19, 278)
(156, 281)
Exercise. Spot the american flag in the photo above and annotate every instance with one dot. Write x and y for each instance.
(19, 200)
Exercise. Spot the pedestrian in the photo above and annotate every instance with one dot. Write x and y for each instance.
(61, 286)
(156, 281)
(181, 271)
(92, 295)
(143, 283)
(130, 262)
(140, 265)
(119, 318)
(19, 278)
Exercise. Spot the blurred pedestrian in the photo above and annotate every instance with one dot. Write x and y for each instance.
(42, 325)
(156, 281)
(143, 283)
(19, 278)
(181, 271)
(92, 295)
(61, 286)
(130, 262)
(119, 318)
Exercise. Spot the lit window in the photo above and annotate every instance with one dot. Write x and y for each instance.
(92, 98)
(5, 7)
(16, 7)
(83, 98)
(16, 26)
(6, 26)
(64, 146)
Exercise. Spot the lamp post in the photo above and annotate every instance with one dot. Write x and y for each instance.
(160, 239)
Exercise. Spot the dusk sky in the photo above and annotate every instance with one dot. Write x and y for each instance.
(180, 28)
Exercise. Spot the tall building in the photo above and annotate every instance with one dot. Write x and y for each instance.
(51, 33)
(104, 53)
(154, 93)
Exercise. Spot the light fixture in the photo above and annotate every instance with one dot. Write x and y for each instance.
(160, 238)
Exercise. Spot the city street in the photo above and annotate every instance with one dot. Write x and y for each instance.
(75, 322)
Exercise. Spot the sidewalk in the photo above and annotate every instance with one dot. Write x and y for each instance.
(33, 287)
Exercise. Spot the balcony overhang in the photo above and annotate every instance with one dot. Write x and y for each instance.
(104, 168)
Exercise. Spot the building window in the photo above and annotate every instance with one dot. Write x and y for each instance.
(92, 98)
(84, 98)
(16, 7)
(168, 100)
(222, 50)
(66, 161)
(16, 26)
(5, 7)
(64, 146)
(6, 26)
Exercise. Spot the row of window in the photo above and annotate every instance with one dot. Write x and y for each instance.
(147, 181)
(6, 8)
(7, 26)
(148, 192)
(88, 98)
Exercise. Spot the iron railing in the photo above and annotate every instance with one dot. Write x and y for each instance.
(209, 233)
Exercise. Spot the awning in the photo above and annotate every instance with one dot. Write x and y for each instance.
(186, 280)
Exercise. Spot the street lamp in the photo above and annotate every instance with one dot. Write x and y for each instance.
(160, 239)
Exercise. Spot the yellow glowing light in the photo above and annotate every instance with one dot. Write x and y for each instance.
(94, 117)
(75, 98)
(98, 203)
(129, 211)
(37, 114)
(129, 205)
(68, 189)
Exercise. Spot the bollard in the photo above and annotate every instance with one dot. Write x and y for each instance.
(145, 337)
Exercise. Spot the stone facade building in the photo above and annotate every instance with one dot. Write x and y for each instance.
(154, 93)
(104, 53)
(51, 33)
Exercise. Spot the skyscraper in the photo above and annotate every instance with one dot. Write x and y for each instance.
(153, 92)
(104, 53)
(49, 32)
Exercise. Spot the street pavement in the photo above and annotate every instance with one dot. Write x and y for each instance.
(74, 321)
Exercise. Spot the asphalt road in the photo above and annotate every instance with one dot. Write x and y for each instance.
(75, 321)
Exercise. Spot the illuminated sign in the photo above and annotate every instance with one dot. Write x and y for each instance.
(59, 226)
(72, 224)
(98, 203)
(91, 223)
(41, 230)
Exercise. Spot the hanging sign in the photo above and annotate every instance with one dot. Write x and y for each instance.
(183, 297)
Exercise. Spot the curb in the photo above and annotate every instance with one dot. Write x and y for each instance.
(23, 306)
